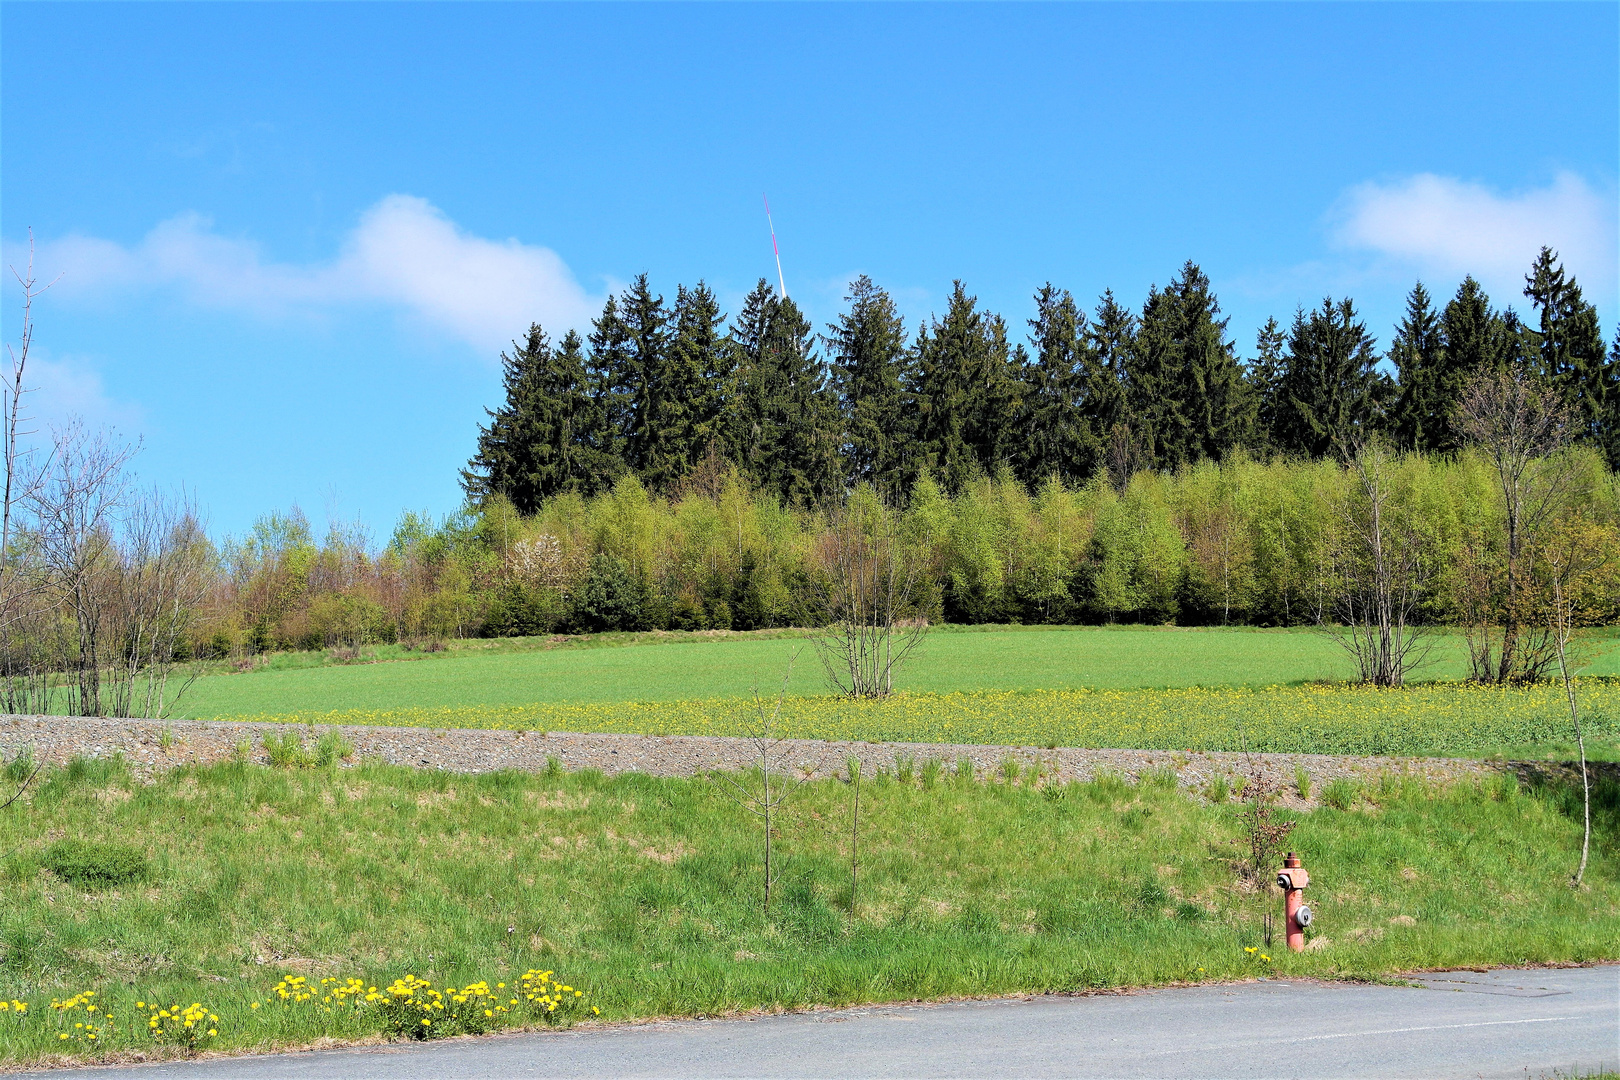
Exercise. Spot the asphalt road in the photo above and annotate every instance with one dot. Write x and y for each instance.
(1522, 1024)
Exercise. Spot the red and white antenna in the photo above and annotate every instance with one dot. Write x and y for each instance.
(774, 250)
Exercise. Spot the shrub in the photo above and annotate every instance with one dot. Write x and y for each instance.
(95, 864)
(611, 598)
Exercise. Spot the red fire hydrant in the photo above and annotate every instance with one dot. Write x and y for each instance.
(1292, 879)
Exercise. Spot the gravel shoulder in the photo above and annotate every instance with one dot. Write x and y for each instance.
(155, 745)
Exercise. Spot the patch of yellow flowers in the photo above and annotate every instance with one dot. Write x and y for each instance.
(1432, 718)
(410, 1006)
(190, 1026)
(94, 1028)
(414, 1007)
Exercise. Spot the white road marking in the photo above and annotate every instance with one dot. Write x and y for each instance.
(1365, 1034)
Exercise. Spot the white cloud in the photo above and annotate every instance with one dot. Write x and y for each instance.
(407, 252)
(404, 253)
(1444, 226)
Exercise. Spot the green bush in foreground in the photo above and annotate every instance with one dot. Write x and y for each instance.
(645, 892)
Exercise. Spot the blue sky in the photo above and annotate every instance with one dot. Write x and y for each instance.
(292, 239)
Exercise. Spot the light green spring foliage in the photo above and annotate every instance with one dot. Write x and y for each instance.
(647, 891)
(1238, 542)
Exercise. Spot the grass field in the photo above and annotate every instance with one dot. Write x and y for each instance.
(1106, 687)
(683, 667)
(645, 894)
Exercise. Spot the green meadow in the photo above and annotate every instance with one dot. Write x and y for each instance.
(677, 666)
(216, 885)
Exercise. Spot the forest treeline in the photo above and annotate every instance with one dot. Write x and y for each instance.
(670, 473)
(659, 386)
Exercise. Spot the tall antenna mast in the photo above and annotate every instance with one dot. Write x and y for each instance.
(774, 250)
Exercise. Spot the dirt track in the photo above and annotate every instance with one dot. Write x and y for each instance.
(57, 740)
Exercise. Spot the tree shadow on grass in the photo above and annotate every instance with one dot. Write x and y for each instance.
(1558, 783)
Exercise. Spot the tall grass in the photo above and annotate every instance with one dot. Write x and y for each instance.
(645, 890)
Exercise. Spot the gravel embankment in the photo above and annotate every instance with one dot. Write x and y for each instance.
(154, 745)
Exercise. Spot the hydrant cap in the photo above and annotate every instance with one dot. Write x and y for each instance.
(1291, 861)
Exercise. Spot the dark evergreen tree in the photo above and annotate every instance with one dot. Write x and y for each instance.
(610, 370)
(1112, 337)
(542, 440)
(1266, 384)
(965, 391)
(1573, 359)
(1421, 419)
(1472, 337)
(1056, 435)
(688, 401)
(867, 347)
(643, 379)
(1218, 404)
(1329, 386)
(785, 421)
(1184, 386)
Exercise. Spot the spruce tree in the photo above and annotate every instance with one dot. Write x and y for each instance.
(1217, 400)
(540, 442)
(1184, 385)
(867, 347)
(1471, 335)
(690, 389)
(644, 379)
(1329, 384)
(1266, 384)
(609, 367)
(1111, 339)
(1057, 437)
(1420, 420)
(1153, 374)
(965, 392)
(785, 422)
(1573, 359)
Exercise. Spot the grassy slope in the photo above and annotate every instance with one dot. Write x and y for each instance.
(646, 891)
(1009, 659)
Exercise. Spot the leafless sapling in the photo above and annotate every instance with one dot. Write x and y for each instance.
(769, 783)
